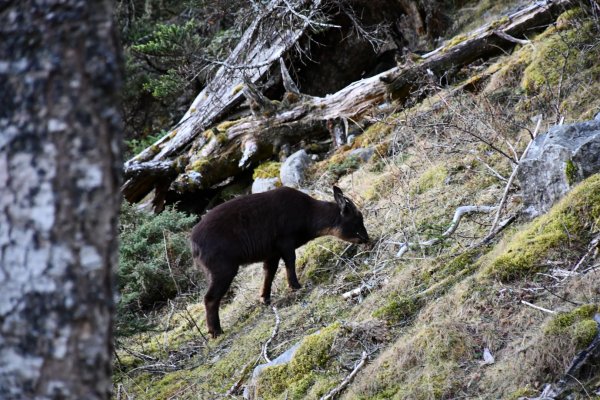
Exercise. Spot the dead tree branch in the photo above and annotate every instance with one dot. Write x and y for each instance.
(458, 214)
(511, 179)
(338, 389)
(265, 348)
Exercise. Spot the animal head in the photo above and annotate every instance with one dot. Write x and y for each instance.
(351, 227)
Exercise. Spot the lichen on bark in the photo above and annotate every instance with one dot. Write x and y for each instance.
(60, 162)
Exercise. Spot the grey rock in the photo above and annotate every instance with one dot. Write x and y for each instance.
(364, 153)
(264, 184)
(557, 160)
(293, 169)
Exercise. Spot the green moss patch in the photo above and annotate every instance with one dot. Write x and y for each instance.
(554, 235)
(268, 169)
(398, 308)
(373, 135)
(345, 166)
(431, 178)
(571, 172)
(320, 259)
(565, 63)
(578, 325)
(297, 376)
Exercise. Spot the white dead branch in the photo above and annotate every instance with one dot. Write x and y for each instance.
(538, 307)
(511, 179)
(338, 389)
(458, 214)
(265, 348)
(593, 246)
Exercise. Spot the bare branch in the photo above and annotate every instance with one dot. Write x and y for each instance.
(265, 348)
(458, 214)
(510, 38)
(512, 178)
(307, 20)
(538, 307)
(338, 389)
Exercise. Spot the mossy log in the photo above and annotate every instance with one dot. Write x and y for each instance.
(255, 138)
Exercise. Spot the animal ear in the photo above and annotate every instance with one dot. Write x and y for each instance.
(341, 200)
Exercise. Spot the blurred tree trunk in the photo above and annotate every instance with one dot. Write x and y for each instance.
(60, 162)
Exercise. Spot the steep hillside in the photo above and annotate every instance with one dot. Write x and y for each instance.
(461, 317)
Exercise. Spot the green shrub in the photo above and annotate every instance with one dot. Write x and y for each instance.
(155, 259)
(136, 146)
(345, 166)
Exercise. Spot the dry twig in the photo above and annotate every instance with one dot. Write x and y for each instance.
(538, 307)
(335, 391)
(511, 179)
(458, 214)
(275, 330)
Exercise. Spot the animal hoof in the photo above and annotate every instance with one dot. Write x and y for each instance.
(265, 300)
(216, 333)
(296, 286)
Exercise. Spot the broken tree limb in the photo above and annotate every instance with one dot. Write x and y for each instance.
(338, 389)
(511, 179)
(288, 83)
(308, 114)
(458, 214)
(259, 47)
(480, 43)
(265, 348)
(152, 168)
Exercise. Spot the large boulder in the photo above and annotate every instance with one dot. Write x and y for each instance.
(556, 161)
(293, 170)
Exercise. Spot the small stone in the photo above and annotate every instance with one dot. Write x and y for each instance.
(265, 184)
(364, 153)
(293, 170)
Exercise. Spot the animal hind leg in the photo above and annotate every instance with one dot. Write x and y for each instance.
(270, 268)
(290, 268)
(219, 284)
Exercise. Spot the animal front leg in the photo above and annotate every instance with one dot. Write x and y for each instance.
(270, 268)
(290, 268)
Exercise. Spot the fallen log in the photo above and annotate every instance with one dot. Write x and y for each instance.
(212, 156)
(259, 48)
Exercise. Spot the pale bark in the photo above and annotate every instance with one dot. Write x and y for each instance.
(60, 162)
(273, 33)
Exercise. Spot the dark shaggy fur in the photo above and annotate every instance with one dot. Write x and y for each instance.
(266, 227)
